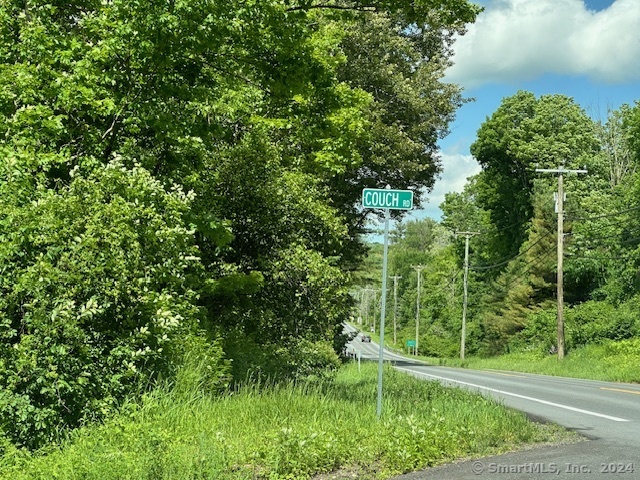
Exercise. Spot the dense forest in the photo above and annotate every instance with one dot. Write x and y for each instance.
(509, 208)
(181, 179)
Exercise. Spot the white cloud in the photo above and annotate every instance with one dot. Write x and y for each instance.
(520, 39)
(456, 169)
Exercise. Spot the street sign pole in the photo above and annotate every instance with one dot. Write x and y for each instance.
(383, 309)
(386, 199)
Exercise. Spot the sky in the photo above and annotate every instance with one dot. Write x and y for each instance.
(586, 49)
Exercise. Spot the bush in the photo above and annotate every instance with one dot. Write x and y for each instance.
(295, 359)
(629, 348)
(202, 367)
(439, 345)
(594, 322)
(95, 294)
(621, 359)
(539, 333)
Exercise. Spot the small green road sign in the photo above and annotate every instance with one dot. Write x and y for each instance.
(411, 343)
(391, 199)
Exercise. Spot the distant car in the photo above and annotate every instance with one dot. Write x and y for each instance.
(365, 338)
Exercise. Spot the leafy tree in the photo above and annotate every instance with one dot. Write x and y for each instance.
(209, 157)
(604, 228)
(398, 56)
(97, 294)
(525, 133)
(425, 242)
(631, 127)
(616, 145)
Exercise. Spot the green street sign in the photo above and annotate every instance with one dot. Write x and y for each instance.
(391, 199)
(411, 343)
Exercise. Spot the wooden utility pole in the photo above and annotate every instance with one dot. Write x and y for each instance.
(368, 293)
(560, 287)
(395, 304)
(418, 269)
(463, 333)
(560, 281)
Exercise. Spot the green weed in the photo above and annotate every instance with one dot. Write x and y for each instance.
(292, 431)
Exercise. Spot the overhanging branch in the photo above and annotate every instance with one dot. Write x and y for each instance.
(359, 8)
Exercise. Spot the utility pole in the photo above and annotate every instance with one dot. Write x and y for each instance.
(463, 334)
(418, 268)
(374, 305)
(560, 288)
(395, 304)
(367, 296)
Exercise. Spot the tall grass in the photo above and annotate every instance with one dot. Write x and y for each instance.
(285, 432)
(610, 361)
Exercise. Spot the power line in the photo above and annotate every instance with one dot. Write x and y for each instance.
(613, 214)
(605, 237)
(507, 260)
(623, 221)
(519, 278)
(502, 229)
(600, 258)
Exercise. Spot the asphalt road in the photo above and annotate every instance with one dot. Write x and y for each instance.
(605, 413)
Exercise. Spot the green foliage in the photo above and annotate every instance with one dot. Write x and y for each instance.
(538, 335)
(594, 322)
(178, 169)
(630, 347)
(97, 292)
(272, 363)
(200, 367)
(285, 432)
(525, 133)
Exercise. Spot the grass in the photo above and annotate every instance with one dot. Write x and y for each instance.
(286, 432)
(610, 361)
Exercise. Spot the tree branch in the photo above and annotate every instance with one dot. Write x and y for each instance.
(360, 8)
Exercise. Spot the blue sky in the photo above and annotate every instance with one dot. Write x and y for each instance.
(585, 49)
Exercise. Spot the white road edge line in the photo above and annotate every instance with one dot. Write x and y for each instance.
(545, 402)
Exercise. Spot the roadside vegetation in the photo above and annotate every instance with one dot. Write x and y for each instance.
(183, 178)
(286, 431)
(180, 188)
(610, 361)
(509, 209)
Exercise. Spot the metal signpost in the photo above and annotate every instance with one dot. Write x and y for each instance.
(388, 200)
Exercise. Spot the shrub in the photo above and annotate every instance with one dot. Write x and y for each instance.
(539, 333)
(594, 322)
(95, 294)
(295, 359)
